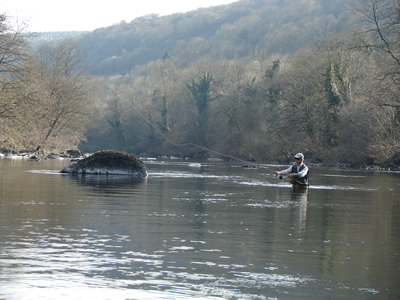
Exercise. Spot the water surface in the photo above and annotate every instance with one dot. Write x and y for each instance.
(219, 231)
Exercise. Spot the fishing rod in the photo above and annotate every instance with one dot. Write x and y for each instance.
(198, 146)
(207, 149)
(210, 150)
(297, 181)
(213, 151)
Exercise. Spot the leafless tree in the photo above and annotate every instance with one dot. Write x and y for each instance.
(380, 23)
(13, 55)
(66, 88)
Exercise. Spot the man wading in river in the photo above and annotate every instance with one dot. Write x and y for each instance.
(298, 172)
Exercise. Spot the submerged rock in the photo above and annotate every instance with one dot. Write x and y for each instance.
(109, 162)
(74, 153)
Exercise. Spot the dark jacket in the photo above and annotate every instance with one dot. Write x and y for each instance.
(299, 180)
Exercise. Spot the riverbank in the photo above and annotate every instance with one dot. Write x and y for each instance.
(42, 155)
(78, 155)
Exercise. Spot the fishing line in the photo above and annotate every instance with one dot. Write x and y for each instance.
(193, 144)
(197, 146)
(248, 163)
(204, 148)
(209, 150)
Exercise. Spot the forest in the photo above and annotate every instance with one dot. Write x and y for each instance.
(256, 80)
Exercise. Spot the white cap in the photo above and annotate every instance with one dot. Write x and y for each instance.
(299, 155)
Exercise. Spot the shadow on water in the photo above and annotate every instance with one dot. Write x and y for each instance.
(111, 190)
(107, 182)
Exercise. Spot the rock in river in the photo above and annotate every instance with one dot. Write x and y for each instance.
(109, 162)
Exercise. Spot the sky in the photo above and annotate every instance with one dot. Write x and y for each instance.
(77, 15)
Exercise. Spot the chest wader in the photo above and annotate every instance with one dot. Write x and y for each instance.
(297, 180)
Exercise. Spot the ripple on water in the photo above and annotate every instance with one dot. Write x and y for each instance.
(317, 187)
(189, 233)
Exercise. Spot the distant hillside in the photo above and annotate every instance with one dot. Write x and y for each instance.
(40, 38)
(239, 30)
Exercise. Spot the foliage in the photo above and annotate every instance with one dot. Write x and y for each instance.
(239, 30)
(323, 100)
(255, 80)
(44, 98)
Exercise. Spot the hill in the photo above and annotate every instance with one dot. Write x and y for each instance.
(256, 79)
(239, 30)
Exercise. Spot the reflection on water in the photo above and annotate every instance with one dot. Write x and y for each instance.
(188, 231)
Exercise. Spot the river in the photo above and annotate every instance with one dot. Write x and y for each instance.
(197, 230)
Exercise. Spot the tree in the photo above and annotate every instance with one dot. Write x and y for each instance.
(302, 105)
(65, 99)
(380, 23)
(16, 91)
(201, 92)
(164, 77)
(13, 55)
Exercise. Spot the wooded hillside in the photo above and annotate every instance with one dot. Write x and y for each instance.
(242, 30)
(256, 80)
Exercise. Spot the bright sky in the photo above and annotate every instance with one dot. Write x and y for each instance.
(71, 15)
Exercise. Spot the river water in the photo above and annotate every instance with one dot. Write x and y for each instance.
(218, 231)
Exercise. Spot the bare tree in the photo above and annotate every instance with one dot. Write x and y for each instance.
(380, 22)
(13, 56)
(65, 101)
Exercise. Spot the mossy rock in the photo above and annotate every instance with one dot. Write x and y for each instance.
(109, 162)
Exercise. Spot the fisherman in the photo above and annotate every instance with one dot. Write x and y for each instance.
(298, 172)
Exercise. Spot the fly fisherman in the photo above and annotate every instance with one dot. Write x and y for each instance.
(298, 172)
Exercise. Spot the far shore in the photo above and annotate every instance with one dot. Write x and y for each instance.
(75, 156)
